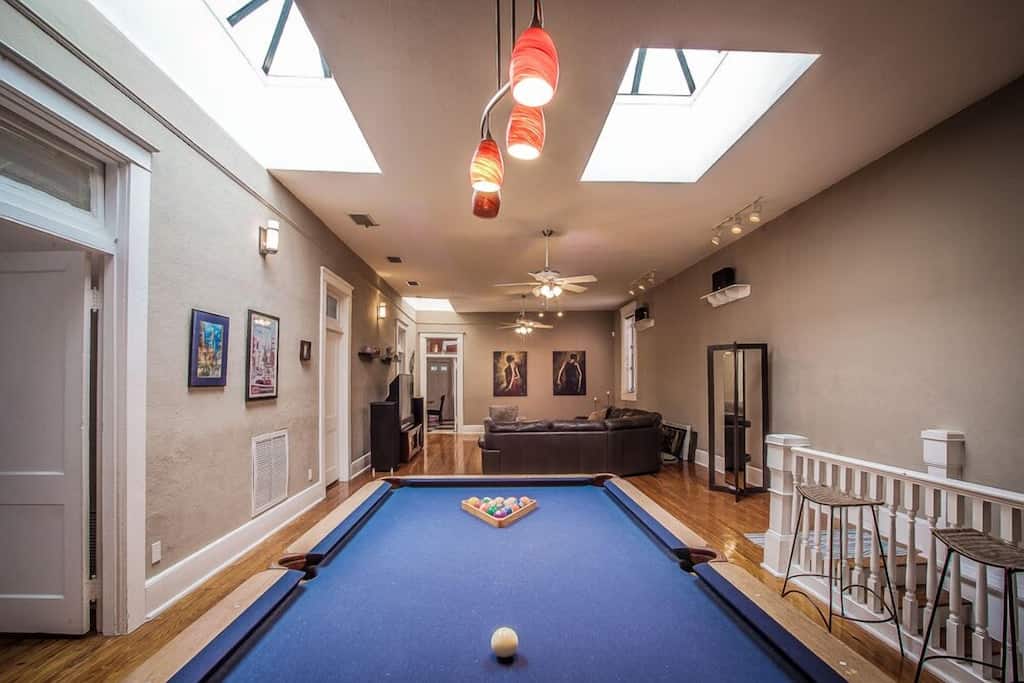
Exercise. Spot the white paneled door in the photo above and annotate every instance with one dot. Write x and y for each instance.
(44, 441)
(332, 378)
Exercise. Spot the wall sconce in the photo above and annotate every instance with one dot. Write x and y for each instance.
(270, 237)
(382, 310)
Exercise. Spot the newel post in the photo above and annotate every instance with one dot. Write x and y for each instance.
(779, 459)
(944, 452)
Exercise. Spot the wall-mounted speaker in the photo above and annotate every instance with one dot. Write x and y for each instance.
(720, 279)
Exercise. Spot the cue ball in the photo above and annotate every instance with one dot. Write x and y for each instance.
(504, 642)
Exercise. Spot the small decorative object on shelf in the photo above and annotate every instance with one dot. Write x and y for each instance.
(369, 352)
(388, 356)
(501, 511)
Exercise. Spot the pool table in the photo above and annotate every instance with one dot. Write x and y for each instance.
(599, 582)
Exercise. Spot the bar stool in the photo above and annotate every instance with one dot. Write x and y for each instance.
(825, 496)
(987, 552)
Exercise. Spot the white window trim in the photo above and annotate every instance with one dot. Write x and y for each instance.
(625, 318)
(401, 350)
(124, 327)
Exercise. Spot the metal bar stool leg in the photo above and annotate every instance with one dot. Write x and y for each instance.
(842, 561)
(931, 618)
(831, 563)
(792, 548)
(1011, 596)
(888, 581)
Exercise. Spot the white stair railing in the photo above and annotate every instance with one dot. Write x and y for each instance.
(969, 621)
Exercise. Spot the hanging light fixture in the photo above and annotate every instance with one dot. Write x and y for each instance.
(533, 68)
(533, 79)
(524, 138)
(486, 204)
(487, 170)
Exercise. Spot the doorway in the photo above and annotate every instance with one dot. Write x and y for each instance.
(441, 380)
(335, 363)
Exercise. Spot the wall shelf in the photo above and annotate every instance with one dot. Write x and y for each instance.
(727, 295)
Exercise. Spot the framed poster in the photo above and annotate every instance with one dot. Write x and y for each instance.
(208, 350)
(510, 373)
(262, 356)
(569, 373)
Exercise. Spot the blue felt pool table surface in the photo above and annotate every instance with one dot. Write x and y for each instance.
(416, 590)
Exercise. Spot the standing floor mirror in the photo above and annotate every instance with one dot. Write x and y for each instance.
(738, 413)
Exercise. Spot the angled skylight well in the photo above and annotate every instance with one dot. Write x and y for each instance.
(273, 36)
(422, 303)
(677, 111)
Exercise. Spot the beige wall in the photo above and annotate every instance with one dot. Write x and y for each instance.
(203, 254)
(587, 331)
(890, 303)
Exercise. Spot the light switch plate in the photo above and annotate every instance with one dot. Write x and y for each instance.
(155, 552)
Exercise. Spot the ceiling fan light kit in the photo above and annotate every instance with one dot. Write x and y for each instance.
(533, 80)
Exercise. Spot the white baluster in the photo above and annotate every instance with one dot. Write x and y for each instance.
(857, 576)
(932, 510)
(981, 642)
(892, 501)
(911, 503)
(805, 543)
(875, 582)
(845, 485)
(816, 557)
(955, 628)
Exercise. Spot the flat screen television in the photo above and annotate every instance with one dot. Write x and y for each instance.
(400, 391)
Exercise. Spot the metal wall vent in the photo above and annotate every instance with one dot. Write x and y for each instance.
(412, 283)
(395, 259)
(269, 470)
(364, 219)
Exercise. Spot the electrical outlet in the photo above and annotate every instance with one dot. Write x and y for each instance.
(155, 552)
(309, 474)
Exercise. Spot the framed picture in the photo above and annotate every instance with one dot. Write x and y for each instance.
(262, 356)
(208, 350)
(510, 373)
(569, 373)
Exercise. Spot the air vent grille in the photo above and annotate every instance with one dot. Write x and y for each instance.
(364, 219)
(269, 470)
(395, 259)
(413, 283)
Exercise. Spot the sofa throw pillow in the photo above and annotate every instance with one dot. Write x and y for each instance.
(504, 413)
(598, 415)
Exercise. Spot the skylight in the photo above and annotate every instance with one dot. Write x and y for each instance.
(273, 36)
(677, 111)
(254, 67)
(420, 303)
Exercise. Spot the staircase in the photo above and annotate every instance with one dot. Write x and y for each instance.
(968, 620)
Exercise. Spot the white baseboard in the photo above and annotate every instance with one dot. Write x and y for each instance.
(167, 587)
(472, 429)
(360, 465)
(755, 477)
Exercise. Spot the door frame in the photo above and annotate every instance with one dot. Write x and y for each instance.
(329, 279)
(460, 370)
(122, 241)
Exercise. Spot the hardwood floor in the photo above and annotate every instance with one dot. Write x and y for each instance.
(680, 490)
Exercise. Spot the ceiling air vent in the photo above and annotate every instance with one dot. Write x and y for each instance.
(412, 283)
(364, 219)
(395, 259)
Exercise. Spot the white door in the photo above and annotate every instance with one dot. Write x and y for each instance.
(332, 377)
(44, 441)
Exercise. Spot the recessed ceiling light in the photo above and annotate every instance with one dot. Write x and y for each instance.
(679, 111)
(395, 259)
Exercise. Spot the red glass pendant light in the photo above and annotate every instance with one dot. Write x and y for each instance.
(487, 170)
(533, 68)
(486, 204)
(524, 138)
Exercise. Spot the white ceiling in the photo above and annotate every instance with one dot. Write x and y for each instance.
(416, 74)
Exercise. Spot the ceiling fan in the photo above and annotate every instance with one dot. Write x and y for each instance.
(548, 282)
(523, 325)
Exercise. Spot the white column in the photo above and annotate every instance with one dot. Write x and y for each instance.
(944, 452)
(780, 462)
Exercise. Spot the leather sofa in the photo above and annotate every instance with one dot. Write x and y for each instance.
(626, 442)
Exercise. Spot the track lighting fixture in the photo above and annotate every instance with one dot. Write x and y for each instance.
(632, 292)
(560, 314)
(735, 228)
(716, 236)
(755, 212)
